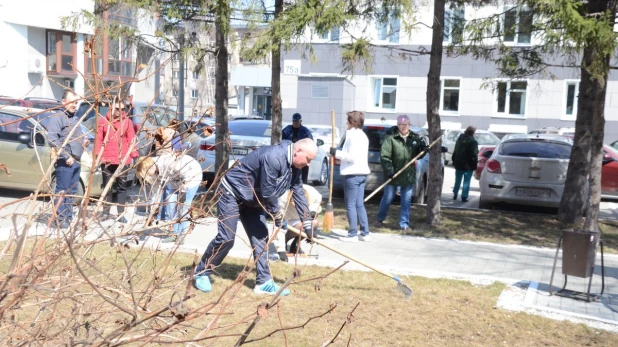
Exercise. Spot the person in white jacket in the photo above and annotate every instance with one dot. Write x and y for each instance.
(314, 198)
(354, 169)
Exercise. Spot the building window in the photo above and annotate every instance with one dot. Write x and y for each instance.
(384, 92)
(61, 52)
(388, 29)
(175, 92)
(572, 94)
(450, 95)
(518, 26)
(119, 57)
(332, 35)
(193, 93)
(195, 75)
(175, 74)
(512, 98)
(454, 24)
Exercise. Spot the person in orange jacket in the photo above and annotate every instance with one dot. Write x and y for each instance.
(115, 134)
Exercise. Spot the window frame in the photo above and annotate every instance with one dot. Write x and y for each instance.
(518, 10)
(370, 99)
(58, 52)
(442, 86)
(448, 37)
(195, 75)
(505, 114)
(564, 115)
(391, 26)
(327, 37)
(194, 94)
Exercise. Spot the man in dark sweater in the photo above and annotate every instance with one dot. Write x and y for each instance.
(249, 190)
(67, 163)
(465, 160)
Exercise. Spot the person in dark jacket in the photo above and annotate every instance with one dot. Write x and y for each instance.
(399, 147)
(294, 132)
(249, 190)
(465, 160)
(67, 165)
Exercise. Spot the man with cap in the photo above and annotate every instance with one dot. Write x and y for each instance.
(294, 132)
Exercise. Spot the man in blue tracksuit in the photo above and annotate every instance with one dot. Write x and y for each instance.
(252, 187)
(297, 131)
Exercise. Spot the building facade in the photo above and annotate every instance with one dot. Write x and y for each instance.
(472, 92)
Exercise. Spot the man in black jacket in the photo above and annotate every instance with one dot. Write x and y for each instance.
(465, 160)
(252, 187)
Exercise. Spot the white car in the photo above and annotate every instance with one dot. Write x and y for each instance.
(324, 133)
(483, 137)
(247, 135)
(528, 170)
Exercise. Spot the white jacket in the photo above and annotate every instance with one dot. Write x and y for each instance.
(314, 199)
(354, 153)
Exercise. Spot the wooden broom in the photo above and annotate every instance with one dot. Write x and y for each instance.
(329, 217)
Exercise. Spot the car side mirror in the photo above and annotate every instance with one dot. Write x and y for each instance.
(487, 154)
(444, 149)
(319, 142)
(25, 137)
(607, 158)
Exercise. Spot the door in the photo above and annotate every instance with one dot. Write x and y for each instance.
(263, 105)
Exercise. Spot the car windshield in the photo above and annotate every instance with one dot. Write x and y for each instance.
(376, 135)
(320, 131)
(612, 149)
(257, 129)
(486, 139)
(536, 149)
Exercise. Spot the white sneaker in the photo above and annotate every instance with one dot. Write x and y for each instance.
(348, 239)
(365, 238)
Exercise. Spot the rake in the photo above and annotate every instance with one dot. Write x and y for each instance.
(401, 287)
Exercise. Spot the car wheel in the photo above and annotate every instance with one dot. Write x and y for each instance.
(80, 190)
(323, 174)
(420, 198)
(485, 205)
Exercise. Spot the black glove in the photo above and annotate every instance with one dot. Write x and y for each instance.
(333, 151)
(390, 175)
(278, 219)
(424, 147)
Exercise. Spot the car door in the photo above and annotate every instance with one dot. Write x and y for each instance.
(25, 164)
(609, 172)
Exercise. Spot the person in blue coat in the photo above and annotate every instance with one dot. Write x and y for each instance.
(294, 132)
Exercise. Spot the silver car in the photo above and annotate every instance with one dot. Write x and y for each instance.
(483, 137)
(528, 170)
(246, 135)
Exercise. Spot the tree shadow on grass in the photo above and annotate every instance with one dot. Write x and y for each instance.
(230, 272)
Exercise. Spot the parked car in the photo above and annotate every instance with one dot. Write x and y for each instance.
(484, 155)
(198, 125)
(21, 148)
(483, 137)
(553, 131)
(614, 145)
(248, 135)
(44, 103)
(376, 133)
(527, 171)
(609, 172)
(324, 133)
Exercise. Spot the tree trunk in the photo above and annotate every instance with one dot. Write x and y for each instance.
(277, 120)
(222, 20)
(434, 179)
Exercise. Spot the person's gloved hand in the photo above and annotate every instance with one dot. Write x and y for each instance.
(390, 175)
(333, 151)
(308, 230)
(279, 219)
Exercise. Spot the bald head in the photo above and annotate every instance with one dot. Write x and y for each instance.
(305, 151)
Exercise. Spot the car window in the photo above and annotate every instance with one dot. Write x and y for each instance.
(486, 139)
(536, 149)
(258, 129)
(453, 135)
(10, 126)
(376, 137)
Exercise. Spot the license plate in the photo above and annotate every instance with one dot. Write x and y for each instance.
(375, 167)
(239, 151)
(533, 192)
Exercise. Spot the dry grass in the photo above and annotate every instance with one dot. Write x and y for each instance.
(440, 312)
(480, 225)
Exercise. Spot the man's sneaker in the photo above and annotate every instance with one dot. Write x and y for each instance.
(203, 283)
(283, 256)
(379, 224)
(365, 238)
(348, 238)
(270, 288)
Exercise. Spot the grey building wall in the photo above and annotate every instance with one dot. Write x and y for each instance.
(479, 113)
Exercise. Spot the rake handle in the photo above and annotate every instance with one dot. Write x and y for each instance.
(402, 170)
(332, 158)
(352, 258)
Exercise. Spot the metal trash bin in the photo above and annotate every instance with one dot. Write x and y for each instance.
(579, 251)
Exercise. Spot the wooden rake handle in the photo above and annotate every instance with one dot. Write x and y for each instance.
(332, 158)
(352, 258)
(402, 170)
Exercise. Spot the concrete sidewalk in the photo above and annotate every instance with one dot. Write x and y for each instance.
(527, 269)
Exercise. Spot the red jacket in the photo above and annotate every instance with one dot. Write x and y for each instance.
(116, 137)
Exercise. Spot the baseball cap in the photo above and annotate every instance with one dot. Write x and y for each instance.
(296, 116)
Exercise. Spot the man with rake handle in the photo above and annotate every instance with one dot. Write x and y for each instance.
(252, 187)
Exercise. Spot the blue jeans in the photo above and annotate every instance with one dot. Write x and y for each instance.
(230, 211)
(467, 175)
(67, 180)
(354, 194)
(406, 203)
(178, 208)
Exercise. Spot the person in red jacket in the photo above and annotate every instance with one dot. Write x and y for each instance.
(115, 134)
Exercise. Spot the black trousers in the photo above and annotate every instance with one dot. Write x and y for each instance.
(118, 190)
(305, 174)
